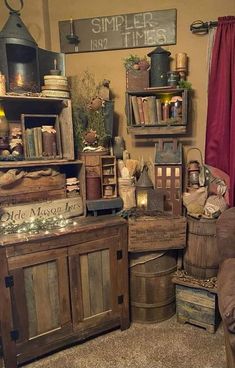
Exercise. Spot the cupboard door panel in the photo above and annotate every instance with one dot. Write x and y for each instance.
(95, 281)
(40, 295)
(42, 298)
(93, 277)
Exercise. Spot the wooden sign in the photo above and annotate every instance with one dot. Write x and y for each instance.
(124, 31)
(68, 207)
(148, 233)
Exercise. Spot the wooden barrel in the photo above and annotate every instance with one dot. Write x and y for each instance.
(201, 258)
(151, 288)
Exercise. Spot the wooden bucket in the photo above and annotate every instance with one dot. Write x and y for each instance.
(151, 288)
(201, 258)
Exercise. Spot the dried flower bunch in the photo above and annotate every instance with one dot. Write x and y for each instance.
(88, 111)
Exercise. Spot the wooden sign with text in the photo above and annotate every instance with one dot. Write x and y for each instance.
(68, 207)
(124, 31)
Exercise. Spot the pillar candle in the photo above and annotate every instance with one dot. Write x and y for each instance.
(181, 61)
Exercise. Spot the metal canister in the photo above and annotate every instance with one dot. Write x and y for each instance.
(173, 78)
(160, 65)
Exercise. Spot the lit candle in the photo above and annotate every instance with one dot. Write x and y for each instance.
(165, 111)
(181, 61)
(19, 80)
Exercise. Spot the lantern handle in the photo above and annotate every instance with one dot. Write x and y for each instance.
(200, 155)
(14, 10)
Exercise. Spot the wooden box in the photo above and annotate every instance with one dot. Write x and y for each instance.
(29, 189)
(137, 80)
(197, 306)
(33, 138)
(156, 233)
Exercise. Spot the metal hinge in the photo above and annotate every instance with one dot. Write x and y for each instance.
(14, 335)
(119, 254)
(120, 299)
(9, 281)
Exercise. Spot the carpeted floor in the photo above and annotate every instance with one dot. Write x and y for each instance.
(163, 345)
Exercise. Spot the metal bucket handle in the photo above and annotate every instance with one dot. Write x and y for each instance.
(200, 155)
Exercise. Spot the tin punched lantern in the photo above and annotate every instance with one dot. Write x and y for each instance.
(143, 187)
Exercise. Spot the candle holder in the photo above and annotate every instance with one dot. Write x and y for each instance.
(72, 37)
(181, 64)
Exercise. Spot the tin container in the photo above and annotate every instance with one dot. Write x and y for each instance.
(173, 79)
(160, 65)
(93, 187)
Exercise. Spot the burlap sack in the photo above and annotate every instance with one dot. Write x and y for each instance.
(195, 201)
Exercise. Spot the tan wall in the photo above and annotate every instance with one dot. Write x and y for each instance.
(109, 64)
(33, 15)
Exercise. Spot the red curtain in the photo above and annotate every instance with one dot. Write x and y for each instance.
(220, 130)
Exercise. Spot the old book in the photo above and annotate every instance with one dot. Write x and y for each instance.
(135, 110)
(141, 110)
(159, 110)
(30, 142)
(39, 140)
(146, 110)
(152, 108)
(35, 138)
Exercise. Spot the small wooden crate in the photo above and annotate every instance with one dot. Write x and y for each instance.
(149, 233)
(31, 122)
(197, 306)
(137, 80)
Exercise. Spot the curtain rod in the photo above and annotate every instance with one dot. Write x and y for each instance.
(200, 27)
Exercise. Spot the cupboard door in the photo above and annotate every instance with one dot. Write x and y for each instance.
(40, 298)
(93, 278)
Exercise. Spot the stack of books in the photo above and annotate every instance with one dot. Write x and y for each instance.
(36, 144)
(150, 110)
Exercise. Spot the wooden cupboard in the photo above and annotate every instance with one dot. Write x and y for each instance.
(62, 287)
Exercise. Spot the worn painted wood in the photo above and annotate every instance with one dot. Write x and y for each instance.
(53, 294)
(85, 285)
(76, 290)
(68, 207)
(30, 301)
(63, 289)
(156, 233)
(18, 298)
(123, 278)
(201, 258)
(151, 288)
(106, 282)
(95, 282)
(29, 185)
(42, 302)
(57, 260)
(197, 306)
(6, 323)
(120, 31)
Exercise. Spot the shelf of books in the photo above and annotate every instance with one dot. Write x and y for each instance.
(157, 111)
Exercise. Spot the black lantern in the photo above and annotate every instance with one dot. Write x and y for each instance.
(21, 61)
(143, 187)
(160, 65)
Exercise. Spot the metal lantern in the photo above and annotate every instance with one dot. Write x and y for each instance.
(193, 174)
(143, 187)
(160, 66)
(22, 62)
